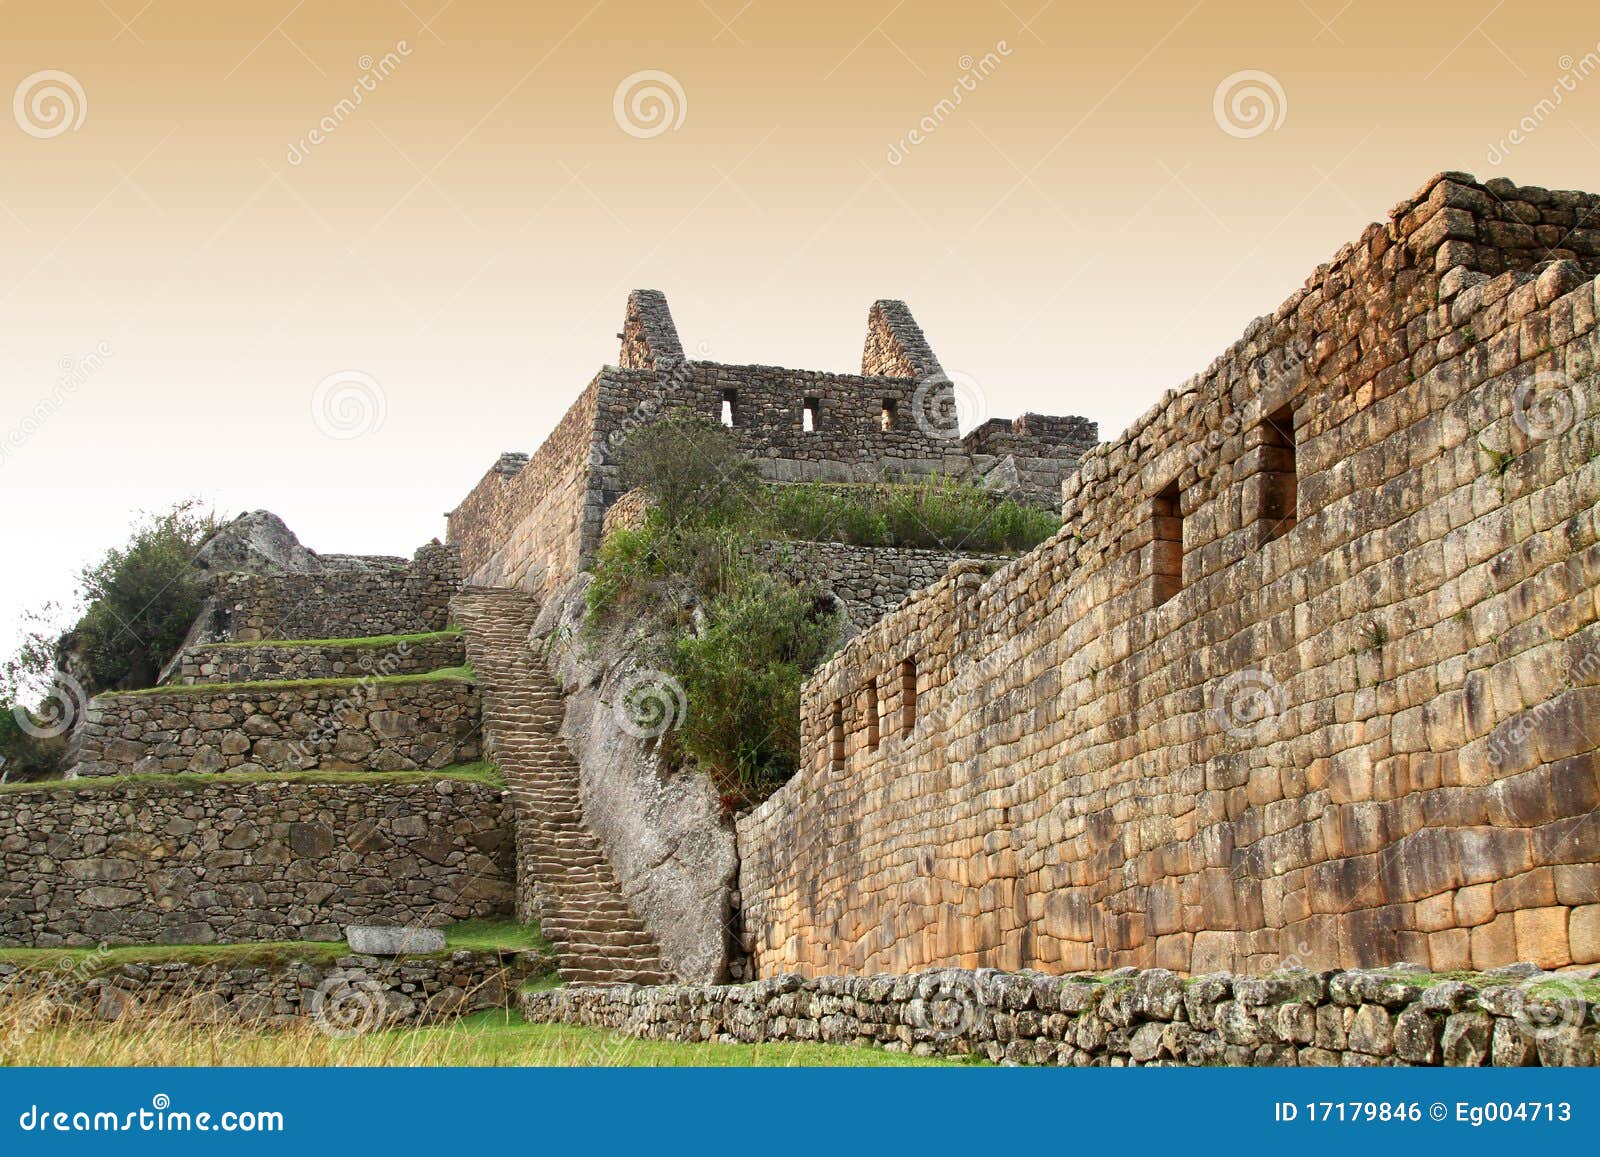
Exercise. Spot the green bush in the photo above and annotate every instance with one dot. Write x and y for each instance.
(26, 757)
(692, 469)
(741, 677)
(937, 513)
(139, 601)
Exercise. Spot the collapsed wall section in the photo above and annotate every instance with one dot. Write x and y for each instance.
(192, 862)
(1304, 678)
(382, 597)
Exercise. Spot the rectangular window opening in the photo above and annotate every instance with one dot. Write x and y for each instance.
(836, 737)
(1278, 487)
(729, 398)
(1166, 549)
(908, 695)
(888, 414)
(874, 730)
(808, 415)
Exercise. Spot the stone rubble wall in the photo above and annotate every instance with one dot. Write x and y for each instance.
(649, 336)
(198, 863)
(350, 726)
(1350, 1019)
(870, 580)
(895, 345)
(251, 662)
(1366, 739)
(353, 993)
(387, 597)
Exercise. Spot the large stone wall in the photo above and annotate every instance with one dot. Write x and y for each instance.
(365, 725)
(350, 995)
(379, 598)
(1352, 1019)
(533, 523)
(198, 862)
(249, 662)
(1254, 705)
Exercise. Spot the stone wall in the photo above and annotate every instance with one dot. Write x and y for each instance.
(869, 580)
(198, 862)
(364, 725)
(535, 523)
(1029, 457)
(380, 598)
(1308, 674)
(351, 994)
(248, 662)
(1352, 1019)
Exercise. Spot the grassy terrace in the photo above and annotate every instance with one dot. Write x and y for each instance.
(476, 935)
(488, 1038)
(366, 641)
(444, 674)
(485, 773)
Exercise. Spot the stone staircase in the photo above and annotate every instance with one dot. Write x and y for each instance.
(563, 877)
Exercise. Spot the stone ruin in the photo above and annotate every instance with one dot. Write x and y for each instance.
(1303, 699)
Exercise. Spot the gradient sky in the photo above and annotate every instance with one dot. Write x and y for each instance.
(1083, 232)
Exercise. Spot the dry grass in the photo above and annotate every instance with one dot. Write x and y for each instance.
(34, 1031)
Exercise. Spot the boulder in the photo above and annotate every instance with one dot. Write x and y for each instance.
(376, 941)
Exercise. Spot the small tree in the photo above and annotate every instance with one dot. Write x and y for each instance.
(692, 468)
(139, 602)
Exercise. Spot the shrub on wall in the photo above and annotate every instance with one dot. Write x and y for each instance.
(936, 513)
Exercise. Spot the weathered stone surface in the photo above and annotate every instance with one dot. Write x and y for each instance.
(1304, 678)
(205, 862)
(360, 726)
(388, 941)
(1004, 1017)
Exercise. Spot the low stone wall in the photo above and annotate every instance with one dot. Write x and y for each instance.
(354, 726)
(198, 862)
(396, 599)
(870, 580)
(1131, 1018)
(244, 662)
(352, 994)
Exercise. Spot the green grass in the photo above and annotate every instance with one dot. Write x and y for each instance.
(474, 935)
(497, 1038)
(463, 674)
(483, 772)
(504, 1038)
(363, 641)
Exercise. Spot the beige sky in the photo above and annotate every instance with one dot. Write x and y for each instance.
(184, 265)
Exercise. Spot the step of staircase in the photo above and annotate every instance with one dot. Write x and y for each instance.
(565, 879)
